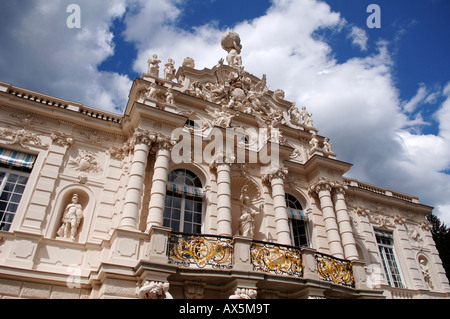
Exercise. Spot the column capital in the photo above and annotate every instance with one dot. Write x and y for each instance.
(275, 172)
(164, 142)
(222, 157)
(339, 187)
(141, 136)
(321, 184)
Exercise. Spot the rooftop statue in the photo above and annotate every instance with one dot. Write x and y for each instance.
(231, 42)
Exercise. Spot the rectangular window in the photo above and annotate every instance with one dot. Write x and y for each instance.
(386, 247)
(15, 169)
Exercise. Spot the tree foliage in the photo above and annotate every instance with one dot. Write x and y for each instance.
(441, 236)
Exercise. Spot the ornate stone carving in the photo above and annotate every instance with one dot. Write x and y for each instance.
(327, 147)
(425, 225)
(194, 290)
(62, 139)
(321, 184)
(26, 122)
(381, 220)
(361, 211)
(169, 97)
(244, 293)
(306, 117)
(154, 290)
(21, 137)
(275, 171)
(94, 136)
(231, 42)
(153, 66)
(117, 153)
(399, 220)
(72, 216)
(423, 264)
(86, 162)
(221, 117)
(189, 62)
(248, 213)
(169, 70)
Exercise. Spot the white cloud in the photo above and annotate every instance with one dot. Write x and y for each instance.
(359, 37)
(45, 55)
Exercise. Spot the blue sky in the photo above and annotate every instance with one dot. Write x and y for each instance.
(381, 95)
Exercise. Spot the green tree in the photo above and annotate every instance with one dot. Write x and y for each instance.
(441, 236)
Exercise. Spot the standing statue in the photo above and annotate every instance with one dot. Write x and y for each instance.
(307, 118)
(231, 42)
(71, 219)
(169, 70)
(296, 117)
(248, 213)
(153, 66)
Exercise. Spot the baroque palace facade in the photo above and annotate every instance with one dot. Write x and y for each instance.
(210, 185)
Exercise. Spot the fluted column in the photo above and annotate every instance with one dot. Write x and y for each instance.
(323, 189)
(343, 220)
(276, 181)
(159, 182)
(141, 142)
(223, 170)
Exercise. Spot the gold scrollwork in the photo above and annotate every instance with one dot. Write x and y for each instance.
(337, 271)
(278, 259)
(185, 250)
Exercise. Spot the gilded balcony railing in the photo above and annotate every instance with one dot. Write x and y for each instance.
(335, 270)
(275, 258)
(200, 250)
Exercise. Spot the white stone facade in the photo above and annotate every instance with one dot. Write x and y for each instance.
(104, 214)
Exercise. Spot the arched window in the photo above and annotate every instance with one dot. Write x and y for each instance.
(184, 202)
(299, 234)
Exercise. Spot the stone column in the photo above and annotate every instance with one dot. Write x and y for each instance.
(141, 142)
(323, 189)
(343, 220)
(279, 204)
(222, 165)
(159, 183)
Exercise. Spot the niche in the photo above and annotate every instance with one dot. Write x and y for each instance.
(72, 214)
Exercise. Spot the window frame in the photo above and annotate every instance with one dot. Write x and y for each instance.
(19, 172)
(294, 237)
(393, 274)
(184, 198)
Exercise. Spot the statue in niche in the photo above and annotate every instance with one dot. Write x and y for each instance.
(231, 42)
(72, 217)
(169, 70)
(153, 66)
(154, 290)
(425, 273)
(248, 213)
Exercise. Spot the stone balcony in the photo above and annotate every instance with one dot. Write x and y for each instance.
(242, 262)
